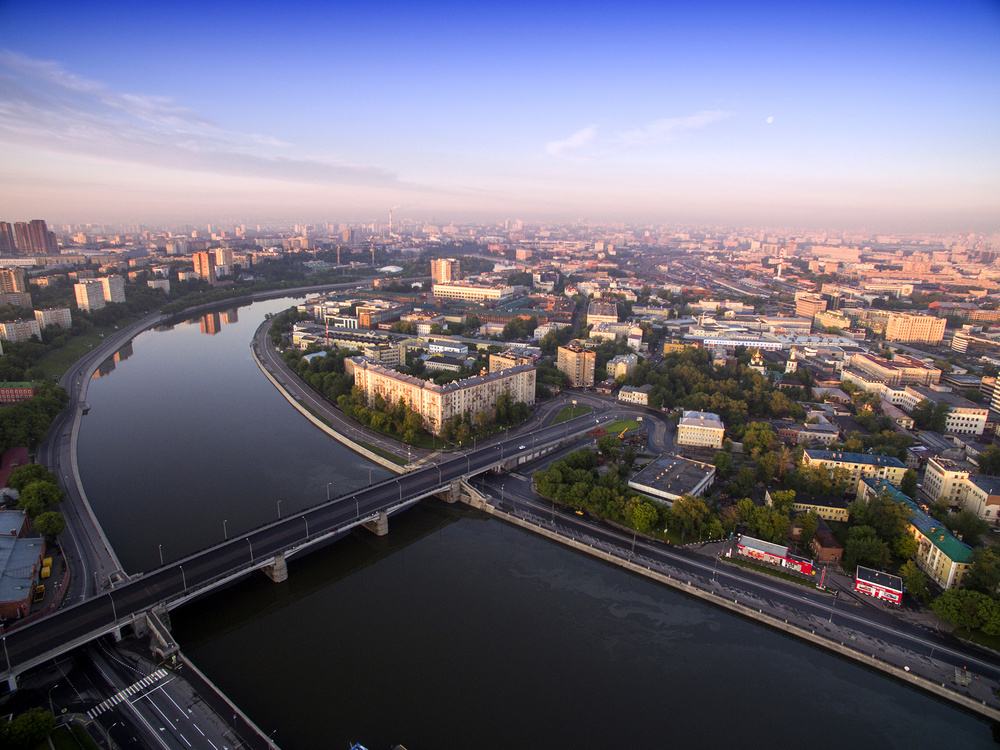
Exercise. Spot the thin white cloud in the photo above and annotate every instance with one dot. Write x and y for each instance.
(669, 129)
(48, 109)
(579, 140)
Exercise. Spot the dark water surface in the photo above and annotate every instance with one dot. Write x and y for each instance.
(455, 631)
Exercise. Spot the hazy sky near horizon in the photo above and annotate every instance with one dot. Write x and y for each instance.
(877, 114)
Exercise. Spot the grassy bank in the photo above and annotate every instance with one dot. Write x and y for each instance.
(56, 362)
(571, 412)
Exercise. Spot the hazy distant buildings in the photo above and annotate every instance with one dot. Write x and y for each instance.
(8, 246)
(34, 238)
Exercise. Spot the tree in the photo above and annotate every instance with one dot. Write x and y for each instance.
(27, 730)
(960, 607)
(888, 517)
(50, 524)
(759, 437)
(38, 497)
(908, 484)
(809, 523)
(609, 446)
(22, 476)
(864, 548)
(642, 514)
(914, 579)
(984, 572)
(723, 464)
(989, 461)
(939, 417)
(690, 512)
(968, 527)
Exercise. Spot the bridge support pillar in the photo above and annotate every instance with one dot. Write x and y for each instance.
(378, 526)
(453, 494)
(161, 642)
(278, 570)
(12, 683)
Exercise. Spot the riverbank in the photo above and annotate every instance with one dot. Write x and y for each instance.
(318, 421)
(980, 696)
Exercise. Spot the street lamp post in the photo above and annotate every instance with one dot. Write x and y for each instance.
(279, 510)
(5, 654)
(307, 526)
(225, 530)
(161, 555)
(369, 476)
(836, 596)
(183, 577)
(51, 709)
(328, 491)
(114, 610)
(251, 548)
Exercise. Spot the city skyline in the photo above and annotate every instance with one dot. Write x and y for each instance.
(833, 117)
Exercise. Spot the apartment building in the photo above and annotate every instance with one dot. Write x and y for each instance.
(902, 369)
(445, 270)
(507, 360)
(438, 403)
(701, 429)
(578, 364)
(204, 265)
(964, 416)
(909, 328)
(623, 364)
(19, 330)
(942, 556)
(89, 295)
(637, 395)
(981, 495)
(113, 288)
(54, 316)
(944, 479)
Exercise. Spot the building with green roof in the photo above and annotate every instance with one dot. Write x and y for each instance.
(940, 554)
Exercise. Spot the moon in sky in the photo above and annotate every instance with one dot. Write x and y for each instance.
(770, 119)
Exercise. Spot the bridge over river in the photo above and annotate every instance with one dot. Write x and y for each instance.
(136, 602)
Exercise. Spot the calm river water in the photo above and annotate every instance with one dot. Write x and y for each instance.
(455, 631)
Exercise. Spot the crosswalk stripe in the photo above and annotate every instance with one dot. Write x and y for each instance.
(125, 693)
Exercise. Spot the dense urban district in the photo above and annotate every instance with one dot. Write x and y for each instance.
(832, 397)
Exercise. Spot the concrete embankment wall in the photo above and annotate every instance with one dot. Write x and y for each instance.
(359, 449)
(934, 688)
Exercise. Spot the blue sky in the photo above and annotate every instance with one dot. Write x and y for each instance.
(885, 115)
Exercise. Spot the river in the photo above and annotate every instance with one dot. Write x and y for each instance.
(456, 630)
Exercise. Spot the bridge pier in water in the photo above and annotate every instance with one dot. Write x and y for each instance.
(278, 570)
(378, 526)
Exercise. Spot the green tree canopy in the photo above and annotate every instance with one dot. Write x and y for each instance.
(22, 476)
(38, 497)
(50, 524)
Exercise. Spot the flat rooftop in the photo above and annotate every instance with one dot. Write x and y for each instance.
(672, 475)
(855, 458)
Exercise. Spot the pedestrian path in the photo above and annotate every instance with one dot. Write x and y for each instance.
(131, 690)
